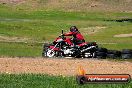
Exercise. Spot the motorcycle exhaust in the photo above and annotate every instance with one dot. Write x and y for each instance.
(87, 49)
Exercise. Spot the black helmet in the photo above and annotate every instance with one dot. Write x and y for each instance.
(73, 29)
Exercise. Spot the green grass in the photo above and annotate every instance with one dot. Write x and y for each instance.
(20, 49)
(119, 46)
(45, 25)
(46, 81)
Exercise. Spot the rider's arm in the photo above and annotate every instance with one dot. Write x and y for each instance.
(68, 34)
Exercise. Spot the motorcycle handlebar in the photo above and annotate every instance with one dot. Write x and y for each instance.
(62, 36)
(62, 31)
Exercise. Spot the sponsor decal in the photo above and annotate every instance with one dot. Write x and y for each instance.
(101, 78)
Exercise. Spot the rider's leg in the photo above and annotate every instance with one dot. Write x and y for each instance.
(68, 40)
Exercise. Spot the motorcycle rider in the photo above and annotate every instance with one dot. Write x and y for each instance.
(77, 36)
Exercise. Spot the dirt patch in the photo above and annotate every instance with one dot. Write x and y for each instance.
(91, 30)
(13, 39)
(12, 1)
(63, 66)
(123, 35)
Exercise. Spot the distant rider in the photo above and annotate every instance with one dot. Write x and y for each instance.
(77, 36)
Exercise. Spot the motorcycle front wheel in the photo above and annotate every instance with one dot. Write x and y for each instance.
(49, 53)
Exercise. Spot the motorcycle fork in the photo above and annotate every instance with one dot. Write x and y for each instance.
(54, 47)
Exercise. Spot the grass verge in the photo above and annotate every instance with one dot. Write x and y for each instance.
(20, 49)
(47, 81)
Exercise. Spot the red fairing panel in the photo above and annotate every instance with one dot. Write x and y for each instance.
(68, 40)
(57, 39)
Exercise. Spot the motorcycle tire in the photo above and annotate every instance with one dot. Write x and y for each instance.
(127, 51)
(118, 53)
(111, 51)
(80, 79)
(126, 56)
(101, 55)
(113, 56)
(102, 50)
(44, 52)
(45, 47)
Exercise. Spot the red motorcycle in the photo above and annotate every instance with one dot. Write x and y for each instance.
(64, 47)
